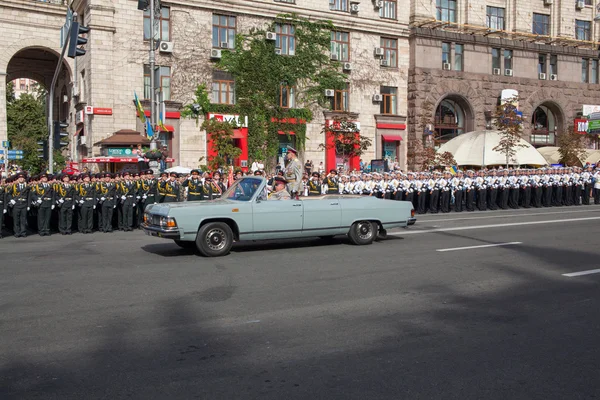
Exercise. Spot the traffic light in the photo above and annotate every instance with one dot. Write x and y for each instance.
(43, 149)
(75, 40)
(59, 133)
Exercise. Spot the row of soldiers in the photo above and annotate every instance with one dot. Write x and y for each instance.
(89, 202)
(443, 191)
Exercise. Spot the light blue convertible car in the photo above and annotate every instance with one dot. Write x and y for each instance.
(244, 213)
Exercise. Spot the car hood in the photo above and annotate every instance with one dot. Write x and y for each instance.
(163, 208)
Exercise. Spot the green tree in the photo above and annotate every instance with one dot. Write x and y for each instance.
(26, 119)
(347, 140)
(571, 147)
(10, 92)
(509, 121)
(260, 73)
(221, 135)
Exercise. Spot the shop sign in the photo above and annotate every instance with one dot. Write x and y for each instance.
(590, 109)
(119, 152)
(389, 149)
(581, 126)
(90, 110)
(235, 120)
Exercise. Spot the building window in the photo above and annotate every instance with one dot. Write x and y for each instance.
(390, 51)
(585, 65)
(287, 97)
(388, 9)
(163, 81)
(223, 92)
(583, 30)
(589, 2)
(553, 64)
(544, 125)
(223, 31)
(495, 18)
(446, 53)
(541, 24)
(541, 64)
(446, 10)
(340, 45)
(164, 33)
(389, 105)
(496, 59)
(448, 123)
(285, 41)
(458, 56)
(338, 5)
(594, 72)
(339, 102)
(508, 59)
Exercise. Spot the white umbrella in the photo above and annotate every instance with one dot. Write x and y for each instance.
(475, 148)
(179, 170)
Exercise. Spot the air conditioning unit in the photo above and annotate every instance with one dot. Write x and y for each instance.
(379, 51)
(542, 76)
(215, 53)
(377, 97)
(378, 3)
(496, 71)
(329, 92)
(271, 36)
(334, 57)
(166, 47)
(224, 45)
(347, 66)
(446, 66)
(580, 5)
(553, 77)
(354, 7)
(278, 52)
(548, 2)
(384, 63)
(508, 72)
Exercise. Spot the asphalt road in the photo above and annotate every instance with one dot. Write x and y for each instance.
(428, 313)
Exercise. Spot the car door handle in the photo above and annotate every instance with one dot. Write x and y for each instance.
(334, 204)
(297, 205)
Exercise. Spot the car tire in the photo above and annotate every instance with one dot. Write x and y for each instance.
(214, 239)
(185, 245)
(362, 232)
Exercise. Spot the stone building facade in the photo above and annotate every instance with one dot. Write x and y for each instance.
(464, 55)
(101, 86)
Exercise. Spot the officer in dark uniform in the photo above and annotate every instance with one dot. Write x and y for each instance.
(332, 182)
(218, 185)
(20, 200)
(65, 197)
(149, 190)
(2, 203)
(128, 193)
(107, 197)
(314, 185)
(171, 188)
(161, 187)
(44, 199)
(86, 198)
(194, 185)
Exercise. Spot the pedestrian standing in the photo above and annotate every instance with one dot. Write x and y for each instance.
(44, 198)
(20, 200)
(65, 198)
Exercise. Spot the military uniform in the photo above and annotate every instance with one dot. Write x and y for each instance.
(194, 185)
(128, 194)
(19, 199)
(86, 200)
(171, 189)
(282, 194)
(65, 197)
(44, 198)
(107, 195)
(293, 173)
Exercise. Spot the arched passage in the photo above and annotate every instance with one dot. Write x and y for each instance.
(547, 120)
(453, 116)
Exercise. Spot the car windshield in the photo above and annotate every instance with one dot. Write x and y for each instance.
(242, 189)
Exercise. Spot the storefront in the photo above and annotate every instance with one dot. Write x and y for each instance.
(334, 156)
(390, 144)
(240, 138)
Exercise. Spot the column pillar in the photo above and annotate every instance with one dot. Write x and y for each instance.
(3, 122)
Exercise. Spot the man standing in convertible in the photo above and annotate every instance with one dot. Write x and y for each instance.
(293, 173)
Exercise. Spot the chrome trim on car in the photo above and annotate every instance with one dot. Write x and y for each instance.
(167, 233)
(411, 221)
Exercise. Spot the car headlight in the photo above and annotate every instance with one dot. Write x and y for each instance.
(146, 218)
(168, 222)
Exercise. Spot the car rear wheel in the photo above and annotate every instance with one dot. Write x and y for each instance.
(362, 232)
(185, 245)
(214, 239)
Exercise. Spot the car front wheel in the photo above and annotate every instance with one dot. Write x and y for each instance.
(214, 239)
(362, 232)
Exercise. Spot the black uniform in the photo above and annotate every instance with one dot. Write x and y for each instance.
(44, 198)
(3, 206)
(86, 198)
(195, 189)
(171, 191)
(19, 198)
(107, 199)
(128, 193)
(65, 196)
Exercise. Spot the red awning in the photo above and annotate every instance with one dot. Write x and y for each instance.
(283, 133)
(391, 138)
(97, 160)
(170, 128)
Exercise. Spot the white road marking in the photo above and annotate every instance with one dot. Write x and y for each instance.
(424, 219)
(591, 271)
(466, 228)
(479, 247)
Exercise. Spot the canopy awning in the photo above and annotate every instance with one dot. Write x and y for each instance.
(391, 138)
(124, 137)
(99, 160)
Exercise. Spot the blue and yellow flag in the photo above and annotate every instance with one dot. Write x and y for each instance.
(139, 109)
(453, 170)
(149, 130)
(161, 124)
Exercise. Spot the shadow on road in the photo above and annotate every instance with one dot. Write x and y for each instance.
(528, 338)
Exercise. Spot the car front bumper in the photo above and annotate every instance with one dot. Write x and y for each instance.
(157, 231)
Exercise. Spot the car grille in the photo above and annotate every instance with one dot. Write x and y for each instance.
(155, 220)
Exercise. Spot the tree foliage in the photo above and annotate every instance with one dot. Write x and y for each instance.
(509, 121)
(347, 140)
(260, 73)
(221, 135)
(571, 147)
